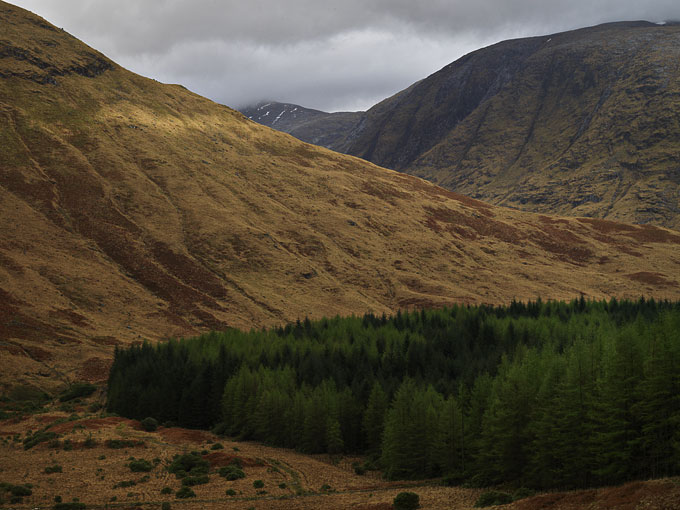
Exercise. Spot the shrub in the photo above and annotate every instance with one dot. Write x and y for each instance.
(119, 444)
(231, 472)
(125, 484)
(185, 493)
(522, 493)
(406, 501)
(360, 470)
(217, 446)
(77, 390)
(491, 498)
(140, 465)
(258, 484)
(149, 424)
(74, 505)
(165, 506)
(90, 442)
(231, 492)
(190, 481)
(166, 490)
(40, 436)
(282, 486)
(189, 464)
(53, 469)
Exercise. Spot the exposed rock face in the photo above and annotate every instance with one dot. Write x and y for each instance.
(577, 123)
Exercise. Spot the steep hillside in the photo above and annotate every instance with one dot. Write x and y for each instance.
(577, 123)
(131, 209)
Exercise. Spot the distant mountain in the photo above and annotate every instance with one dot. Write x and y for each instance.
(329, 130)
(133, 210)
(578, 123)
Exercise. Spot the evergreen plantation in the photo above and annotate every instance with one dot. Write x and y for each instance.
(543, 394)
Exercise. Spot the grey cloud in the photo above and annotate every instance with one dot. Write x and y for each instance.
(327, 55)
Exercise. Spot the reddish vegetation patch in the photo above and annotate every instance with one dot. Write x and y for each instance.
(383, 191)
(220, 459)
(469, 226)
(95, 370)
(561, 242)
(12, 349)
(70, 316)
(106, 340)
(655, 279)
(38, 353)
(641, 233)
(47, 418)
(177, 435)
(92, 424)
(662, 495)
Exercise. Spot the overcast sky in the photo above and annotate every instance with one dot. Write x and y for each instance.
(328, 55)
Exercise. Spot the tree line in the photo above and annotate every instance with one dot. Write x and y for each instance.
(539, 394)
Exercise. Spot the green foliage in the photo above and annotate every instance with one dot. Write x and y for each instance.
(74, 505)
(258, 484)
(166, 490)
(491, 498)
(217, 446)
(119, 444)
(189, 465)
(231, 492)
(190, 481)
(584, 393)
(232, 472)
(124, 484)
(149, 424)
(53, 469)
(185, 493)
(406, 501)
(165, 506)
(140, 465)
(77, 390)
(40, 436)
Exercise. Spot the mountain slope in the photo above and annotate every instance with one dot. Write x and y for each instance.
(577, 123)
(134, 210)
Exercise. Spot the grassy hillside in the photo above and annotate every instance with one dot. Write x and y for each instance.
(134, 210)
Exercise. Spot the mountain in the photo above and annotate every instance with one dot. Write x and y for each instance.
(133, 210)
(329, 130)
(577, 123)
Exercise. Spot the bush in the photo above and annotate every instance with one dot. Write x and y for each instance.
(74, 505)
(258, 484)
(125, 484)
(77, 390)
(119, 444)
(39, 437)
(166, 490)
(406, 501)
(231, 472)
(189, 464)
(190, 481)
(283, 485)
(149, 424)
(140, 465)
(522, 493)
(217, 446)
(231, 492)
(165, 506)
(53, 469)
(491, 498)
(185, 493)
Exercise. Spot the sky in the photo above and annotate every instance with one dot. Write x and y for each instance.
(333, 56)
